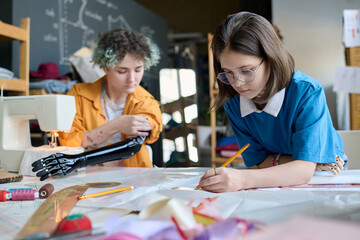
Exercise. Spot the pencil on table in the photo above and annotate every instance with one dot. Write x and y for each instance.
(230, 159)
(105, 192)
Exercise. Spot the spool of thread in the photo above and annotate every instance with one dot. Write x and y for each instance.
(46, 190)
(20, 195)
(4, 196)
(13, 189)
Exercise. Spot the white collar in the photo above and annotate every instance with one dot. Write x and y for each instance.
(272, 107)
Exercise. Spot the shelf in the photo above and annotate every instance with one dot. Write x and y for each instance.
(38, 92)
(9, 32)
(355, 111)
(13, 84)
(180, 137)
(182, 102)
(352, 56)
(176, 132)
(222, 160)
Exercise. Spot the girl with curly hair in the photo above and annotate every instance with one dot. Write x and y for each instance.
(116, 107)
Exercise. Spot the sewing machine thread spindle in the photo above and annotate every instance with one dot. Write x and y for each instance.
(53, 142)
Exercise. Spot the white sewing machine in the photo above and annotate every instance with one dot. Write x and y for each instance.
(54, 112)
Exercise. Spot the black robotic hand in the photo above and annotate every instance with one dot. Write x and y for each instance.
(62, 164)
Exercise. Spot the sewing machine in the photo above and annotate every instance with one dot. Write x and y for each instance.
(53, 112)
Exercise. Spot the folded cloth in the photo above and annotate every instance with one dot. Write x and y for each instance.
(53, 85)
(229, 154)
(35, 153)
(230, 147)
(6, 74)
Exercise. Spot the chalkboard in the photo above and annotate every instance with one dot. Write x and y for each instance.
(61, 27)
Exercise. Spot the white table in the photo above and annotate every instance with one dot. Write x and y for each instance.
(267, 205)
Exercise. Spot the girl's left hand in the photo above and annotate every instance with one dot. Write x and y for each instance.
(222, 180)
(335, 168)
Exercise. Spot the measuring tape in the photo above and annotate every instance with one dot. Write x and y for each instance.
(57, 207)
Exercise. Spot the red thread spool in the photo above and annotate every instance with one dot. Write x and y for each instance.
(20, 195)
(46, 190)
(4, 196)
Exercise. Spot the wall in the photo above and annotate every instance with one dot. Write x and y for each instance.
(192, 16)
(312, 33)
(58, 28)
(5, 47)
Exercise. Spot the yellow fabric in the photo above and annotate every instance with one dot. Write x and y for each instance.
(89, 115)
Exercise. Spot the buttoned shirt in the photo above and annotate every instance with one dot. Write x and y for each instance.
(90, 115)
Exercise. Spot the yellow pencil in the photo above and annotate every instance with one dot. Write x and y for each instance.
(230, 159)
(105, 192)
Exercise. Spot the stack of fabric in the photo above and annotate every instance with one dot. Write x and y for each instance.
(227, 147)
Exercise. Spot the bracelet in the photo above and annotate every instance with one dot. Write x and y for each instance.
(277, 159)
(273, 159)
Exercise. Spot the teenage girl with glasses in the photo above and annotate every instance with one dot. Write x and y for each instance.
(279, 111)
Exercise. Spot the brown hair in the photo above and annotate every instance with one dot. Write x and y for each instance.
(252, 34)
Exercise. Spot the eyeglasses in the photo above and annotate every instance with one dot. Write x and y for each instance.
(244, 76)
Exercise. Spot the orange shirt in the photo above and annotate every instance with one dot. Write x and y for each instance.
(89, 115)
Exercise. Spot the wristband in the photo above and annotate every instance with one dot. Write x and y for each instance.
(273, 159)
(277, 159)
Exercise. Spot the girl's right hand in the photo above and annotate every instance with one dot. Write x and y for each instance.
(223, 179)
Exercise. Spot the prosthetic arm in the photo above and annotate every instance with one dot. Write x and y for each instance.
(62, 164)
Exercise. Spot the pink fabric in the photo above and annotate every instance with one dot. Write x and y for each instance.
(231, 146)
(207, 206)
(122, 236)
(229, 153)
(135, 229)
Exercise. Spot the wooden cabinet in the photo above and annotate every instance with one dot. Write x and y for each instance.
(355, 111)
(353, 59)
(214, 91)
(22, 33)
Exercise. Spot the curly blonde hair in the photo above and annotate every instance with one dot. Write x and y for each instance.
(112, 46)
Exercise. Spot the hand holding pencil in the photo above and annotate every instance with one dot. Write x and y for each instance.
(228, 161)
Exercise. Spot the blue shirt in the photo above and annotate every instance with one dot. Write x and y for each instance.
(302, 128)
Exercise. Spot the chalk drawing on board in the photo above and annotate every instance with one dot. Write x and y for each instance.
(88, 34)
(119, 21)
(77, 23)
